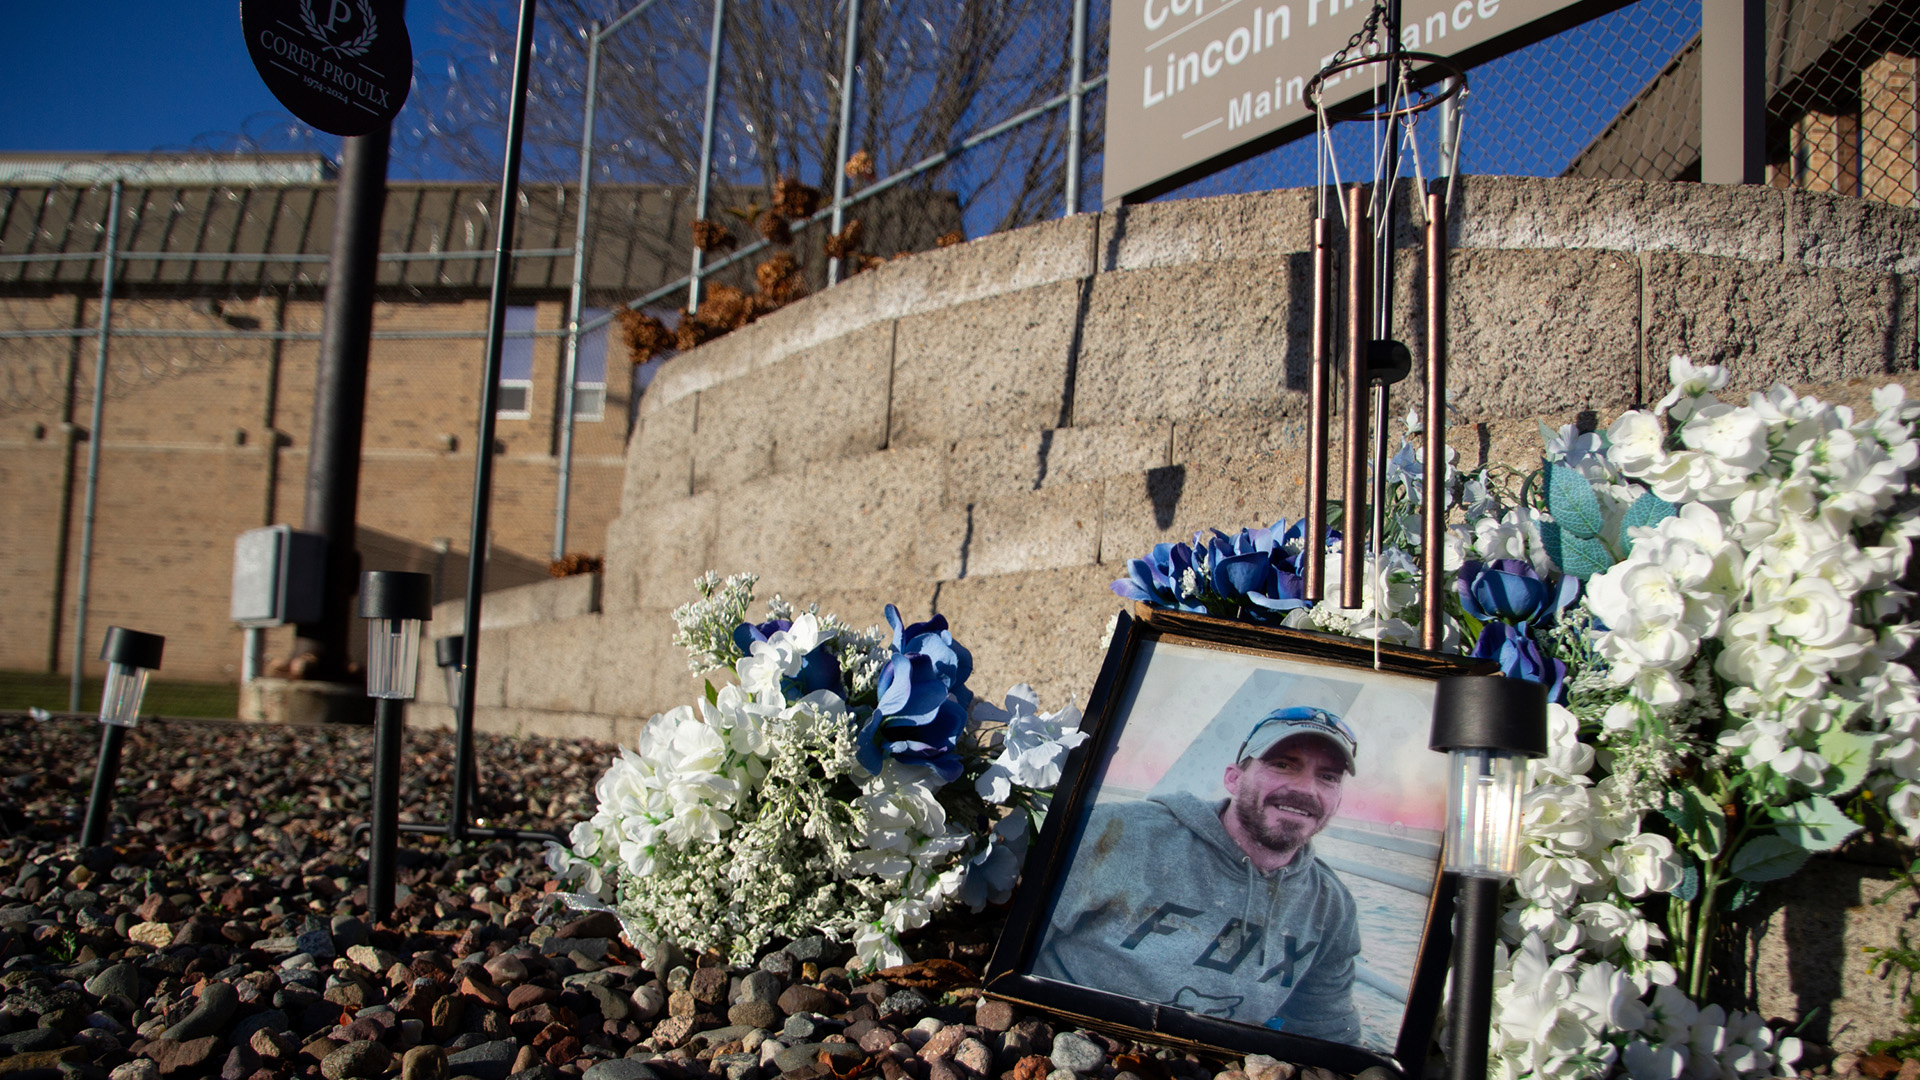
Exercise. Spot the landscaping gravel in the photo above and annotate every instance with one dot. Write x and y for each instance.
(223, 930)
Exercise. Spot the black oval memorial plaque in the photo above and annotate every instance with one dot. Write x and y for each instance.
(343, 66)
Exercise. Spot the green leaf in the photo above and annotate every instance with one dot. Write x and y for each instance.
(1571, 501)
(713, 695)
(1815, 824)
(1689, 887)
(1768, 858)
(1710, 839)
(1648, 509)
(1746, 894)
(1580, 556)
(1848, 756)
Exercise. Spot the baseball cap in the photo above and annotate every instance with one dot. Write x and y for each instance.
(1299, 720)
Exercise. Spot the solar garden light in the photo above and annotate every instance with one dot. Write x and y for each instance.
(1489, 725)
(394, 603)
(130, 656)
(449, 654)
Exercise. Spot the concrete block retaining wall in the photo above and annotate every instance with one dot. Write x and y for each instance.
(992, 430)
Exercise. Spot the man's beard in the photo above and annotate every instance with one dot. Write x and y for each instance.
(1286, 833)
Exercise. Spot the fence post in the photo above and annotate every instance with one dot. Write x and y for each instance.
(846, 123)
(1733, 106)
(572, 364)
(706, 147)
(1074, 112)
(89, 501)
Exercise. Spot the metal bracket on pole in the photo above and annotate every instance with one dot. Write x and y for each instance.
(706, 147)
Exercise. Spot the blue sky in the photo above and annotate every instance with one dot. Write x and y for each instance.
(115, 75)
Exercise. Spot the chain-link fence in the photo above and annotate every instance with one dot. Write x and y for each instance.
(1618, 97)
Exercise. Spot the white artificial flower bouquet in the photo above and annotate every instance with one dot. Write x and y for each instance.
(845, 783)
(1712, 593)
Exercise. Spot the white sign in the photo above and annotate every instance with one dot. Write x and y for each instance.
(1191, 80)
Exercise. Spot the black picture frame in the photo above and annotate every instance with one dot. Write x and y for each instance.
(1207, 681)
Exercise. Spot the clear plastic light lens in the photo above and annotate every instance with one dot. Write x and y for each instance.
(120, 698)
(453, 673)
(1484, 793)
(393, 657)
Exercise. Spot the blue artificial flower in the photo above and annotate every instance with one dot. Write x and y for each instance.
(916, 720)
(1255, 572)
(1521, 657)
(1508, 590)
(746, 634)
(1156, 579)
(819, 669)
(923, 700)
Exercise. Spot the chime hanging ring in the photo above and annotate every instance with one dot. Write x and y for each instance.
(1456, 82)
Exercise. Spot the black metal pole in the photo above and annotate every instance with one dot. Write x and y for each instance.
(389, 723)
(483, 447)
(100, 804)
(340, 395)
(1471, 1016)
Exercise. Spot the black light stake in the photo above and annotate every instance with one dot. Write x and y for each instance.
(130, 656)
(395, 603)
(1489, 725)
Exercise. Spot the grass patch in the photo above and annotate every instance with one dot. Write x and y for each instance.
(22, 690)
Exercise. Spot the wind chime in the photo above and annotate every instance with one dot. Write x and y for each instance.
(1374, 360)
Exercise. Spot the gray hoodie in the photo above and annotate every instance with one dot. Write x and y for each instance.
(1161, 905)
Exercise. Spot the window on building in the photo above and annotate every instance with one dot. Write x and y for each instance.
(516, 367)
(590, 370)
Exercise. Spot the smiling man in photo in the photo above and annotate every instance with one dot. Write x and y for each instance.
(1221, 908)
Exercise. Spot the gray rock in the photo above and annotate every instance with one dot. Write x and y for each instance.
(762, 985)
(613, 1004)
(754, 1014)
(781, 963)
(815, 949)
(808, 1053)
(122, 979)
(1375, 1072)
(487, 1061)
(975, 1056)
(736, 1066)
(424, 1063)
(209, 1016)
(621, 1069)
(908, 1004)
(807, 1027)
(542, 1071)
(1077, 1053)
(274, 1020)
(647, 1001)
(137, 1069)
(29, 1041)
(316, 943)
(362, 1058)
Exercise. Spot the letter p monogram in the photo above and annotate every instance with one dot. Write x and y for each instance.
(338, 11)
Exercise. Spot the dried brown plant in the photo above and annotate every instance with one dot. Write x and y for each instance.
(795, 200)
(710, 235)
(774, 227)
(646, 337)
(950, 239)
(576, 562)
(845, 244)
(861, 167)
(780, 281)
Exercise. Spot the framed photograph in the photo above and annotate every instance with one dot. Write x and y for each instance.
(1244, 857)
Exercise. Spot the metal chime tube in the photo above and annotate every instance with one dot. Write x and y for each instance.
(1433, 487)
(1359, 333)
(1319, 378)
